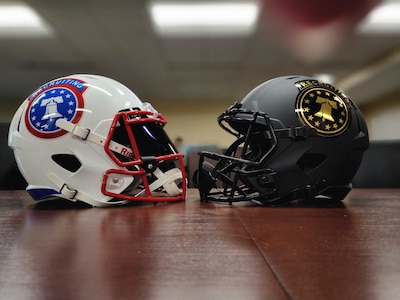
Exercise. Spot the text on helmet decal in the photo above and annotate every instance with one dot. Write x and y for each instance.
(322, 107)
(60, 98)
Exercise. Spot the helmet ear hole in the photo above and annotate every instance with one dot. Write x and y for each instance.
(310, 161)
(67, 161)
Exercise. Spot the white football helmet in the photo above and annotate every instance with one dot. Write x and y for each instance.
(90, 138)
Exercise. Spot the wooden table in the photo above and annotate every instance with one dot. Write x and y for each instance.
(196, 250)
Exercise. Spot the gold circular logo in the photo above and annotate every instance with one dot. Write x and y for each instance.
(323, 109)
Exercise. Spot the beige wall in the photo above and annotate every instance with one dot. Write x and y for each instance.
(383, 118)
(197, 123)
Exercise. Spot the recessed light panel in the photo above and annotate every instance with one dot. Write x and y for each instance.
(20, 20)
(385, 18)
(193, 19)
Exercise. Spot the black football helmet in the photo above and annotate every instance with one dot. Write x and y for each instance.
(297, 138)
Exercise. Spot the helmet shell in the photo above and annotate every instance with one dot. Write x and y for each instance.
(302, 138)
(45, 151)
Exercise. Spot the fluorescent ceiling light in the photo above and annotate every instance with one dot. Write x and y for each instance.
(20, 20)
(385, 18)
(204, 18)
(324, 77)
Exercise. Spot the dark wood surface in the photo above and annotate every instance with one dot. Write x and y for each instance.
(195, 250)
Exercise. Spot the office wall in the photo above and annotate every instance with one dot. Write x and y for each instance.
(196, 122)
(383, 118)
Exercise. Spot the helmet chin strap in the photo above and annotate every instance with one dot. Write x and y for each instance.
(167, 181)
(74, 195)
(86, 135)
